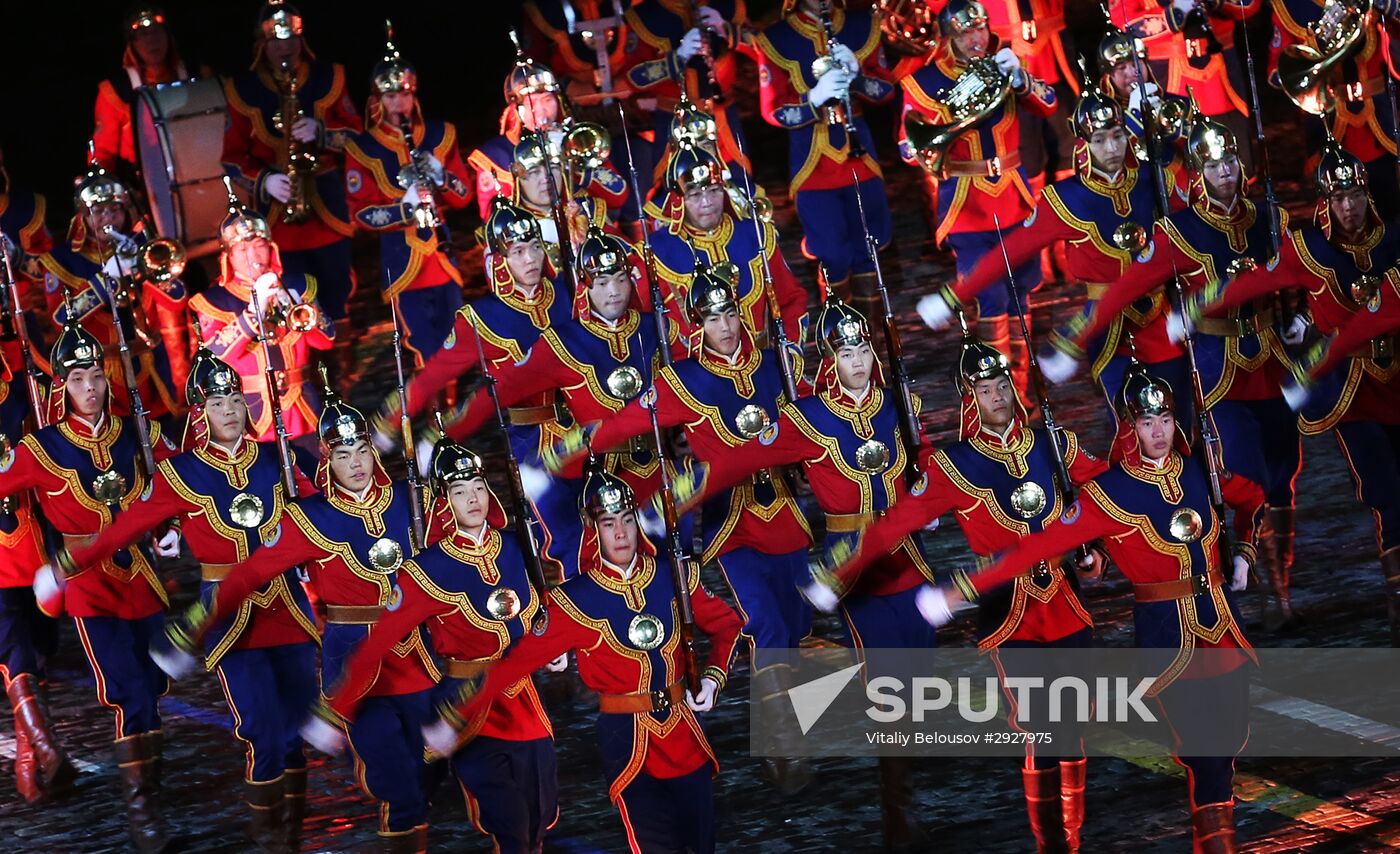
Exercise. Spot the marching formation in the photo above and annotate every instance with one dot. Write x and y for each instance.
(673, 396)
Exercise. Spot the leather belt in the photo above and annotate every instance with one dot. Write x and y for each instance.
(526, 416)
(215, 571)
(989, 168)
(646, 701)
(458, 668)
(1381, 347)
(353, 615)
(849, 523)
(257, 383)
(1181, 588)
(1237, 327)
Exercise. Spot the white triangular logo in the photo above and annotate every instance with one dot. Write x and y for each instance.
(810, 700)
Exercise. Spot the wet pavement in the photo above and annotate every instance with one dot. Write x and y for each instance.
(966, 805)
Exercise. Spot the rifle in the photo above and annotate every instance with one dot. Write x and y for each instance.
(525, 519)
(658, 306)
(770, 296)
(909, 428)
(12, 323)
(1063, 484)
(415, 482)
(124, 297)
(274, 403)
(1264, 171)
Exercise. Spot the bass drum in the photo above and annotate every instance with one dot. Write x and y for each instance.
(179, 131)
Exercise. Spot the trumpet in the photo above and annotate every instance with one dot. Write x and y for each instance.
(980, 90)
(161, 260)
(293, 316)
(586, 145)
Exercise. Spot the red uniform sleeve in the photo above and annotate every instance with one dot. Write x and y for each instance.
(1288, 273)
(1087, 522)
(370, 208)
(1082, 466)
(541, 371)
(1039, 98)
(1356, 332)
(1139, 281)
(634, 419)
(788, 447)
(109, 115)
(721, 625)
(133, 523)
(237, 156)
(446, 365)
(340, 119)
(266, 563)
(1022, 244)
(908, 514)
(454, 195)
(23, 472)
(393, 626)
(1246, 498)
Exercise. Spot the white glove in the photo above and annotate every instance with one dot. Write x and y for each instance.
(424, 453)
(265, 289)
(278, 187)
(705, 700)
(1294, 394)
(823, 598)
(435, 170)
(323, 735)
(176, 663)
(832, 85)
(305, 129)
(48, 589)
(689, 46)
(932, 526)
(1297, 330)
(846, 57)
(1177, 328)
(933, 606)
(411, 197)
(1135, 98)
(1239, 575)
(120, 265)
(535, 480)
(1183, 6)
(1010, 65)
(384, 441)
(1058, 366)
(558, 665)
(169, 544)
(711, 18)
(935, 311)
(440, 738)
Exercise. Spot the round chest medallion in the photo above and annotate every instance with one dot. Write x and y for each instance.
(645, 632)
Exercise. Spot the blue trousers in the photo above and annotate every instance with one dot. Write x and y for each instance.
(832, 229)
(995, 300)
(1372, 451)
(270, 691)
(1177, 372)
(1214, 711)
(387, 742)
(27, 636)
(512, 790)
(887, 622)
(428, 315)
(765, 586)
(128, 681)
(1033, 659)
(561, 527)
(334, 269)
(670, 816)
(1260, 440)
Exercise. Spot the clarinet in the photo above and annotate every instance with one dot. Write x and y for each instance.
(839, 112)
(427, 213)
(707, 56)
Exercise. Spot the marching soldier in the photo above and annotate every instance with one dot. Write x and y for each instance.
(979, 180)
(289, 117)
(103, 250)
(474, 592)
(1123, 64)
(150, 58)
(814, 65)
(727, 392)
(526, 298)
(402, 175)
(596, 362)
(694, 127)
(847, 440)
(1103, 215)
(533, 164)
(257, 312)
(25, 239)
(1000, 479)
(1359, 112)
(83, 469)
(1169, 551)
(353, 539)
(534, 104)
(620, 617)
(703, 228)
(1337, 259)
(1240, 355)
(228, 492)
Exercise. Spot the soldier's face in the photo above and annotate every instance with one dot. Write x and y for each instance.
(227, 415)
(704, 207)
(1109, 148)
(854, 365)
(283, 51)
(397, 104)
(610, 294)
(722, 331)
(1222, 178)
(994, 402)
(99, 217)
(539, 110)
(87, 391)
(1348, 210)
(469, 500)
(535, 185)
(152, 45)
(1124, 77)
(352, 466)
(1155, 434)
(972, 43)
(617, 537)
(526, 261)
(250, 258)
